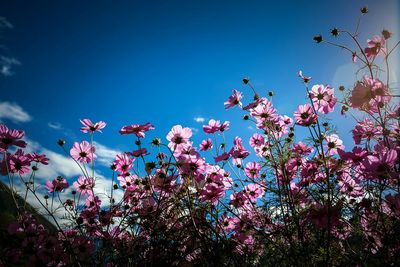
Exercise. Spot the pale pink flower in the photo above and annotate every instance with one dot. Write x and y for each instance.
(253, 191)
(84, 185)
(215, 126)
(333, 144)
(89, 126)
(83, 152)
(178, 136)
(323, 98)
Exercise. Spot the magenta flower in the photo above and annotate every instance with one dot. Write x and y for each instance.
(57, 185)
(222, 157)
(234, 99)
(19, 162)
(178, 136)
(139, 152)
(89, 126)
(136, 129)
(10, 137)
(83, 152)
(39, 158)
(252, 170)
(84, 185)
(305, 115)
(323, 98)
(206, 145)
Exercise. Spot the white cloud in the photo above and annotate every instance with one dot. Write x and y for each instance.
(14, 112)
(199, 119)
(63, 165)
(105, 155)
(6, 64)
(55, 125)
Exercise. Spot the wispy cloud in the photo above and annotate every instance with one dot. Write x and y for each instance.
(55, 125)
(13, 112)
(194, 130)
(6, 65)
(105, 155)
(199, 119)
(4, 23)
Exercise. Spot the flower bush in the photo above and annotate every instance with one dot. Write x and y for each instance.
(283, 201)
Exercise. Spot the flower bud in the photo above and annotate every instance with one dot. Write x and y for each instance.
(364, 9)
(386, 34)
(335, 32)
(318, 38)
(61, 142)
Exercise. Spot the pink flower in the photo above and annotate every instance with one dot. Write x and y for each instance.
(301, 149)
(123, 163)
(57, 185)
(39, 158)
(19, 162)
(305, 115)
(264, 112)
(256, 140)
(368, 93)
(136, 129)
(252, 170)
(84, 185)
(215, 126)
(238, 152)
(366, 129)
(10, 137)
(349, 187)
(305, 79)
(178, 136)
(83, 152)
(212, 192)
(206, 145)
(222, 157)
(234, 99)
(253, 191)
(376, 46)
(139, 152)
(89, 126)
(333, 144)
(323, 98)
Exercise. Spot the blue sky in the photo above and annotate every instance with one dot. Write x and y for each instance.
(168, 62)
